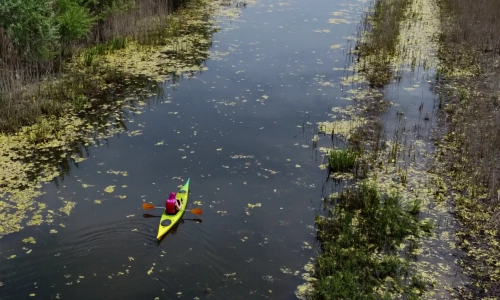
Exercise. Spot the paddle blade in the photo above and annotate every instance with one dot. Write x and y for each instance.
(196, 211)
(147, 206)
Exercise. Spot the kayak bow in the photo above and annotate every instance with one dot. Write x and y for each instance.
(168, 221)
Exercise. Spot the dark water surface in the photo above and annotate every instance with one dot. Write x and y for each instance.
(106, 250)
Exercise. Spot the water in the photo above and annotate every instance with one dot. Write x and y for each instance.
(107, 250)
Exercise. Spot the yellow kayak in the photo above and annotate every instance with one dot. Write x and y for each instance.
(169, 221)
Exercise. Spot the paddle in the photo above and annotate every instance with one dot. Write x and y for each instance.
(148, 206)
(151, 216)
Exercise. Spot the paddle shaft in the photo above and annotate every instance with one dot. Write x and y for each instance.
(196, 211)
(179, 210)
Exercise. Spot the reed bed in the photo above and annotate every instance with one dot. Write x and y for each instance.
(34, 57)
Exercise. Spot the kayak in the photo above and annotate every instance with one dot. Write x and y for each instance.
(169, 221)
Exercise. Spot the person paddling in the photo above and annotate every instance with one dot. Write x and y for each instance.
(172, 206)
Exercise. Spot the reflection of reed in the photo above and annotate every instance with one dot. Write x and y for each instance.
(378, 38)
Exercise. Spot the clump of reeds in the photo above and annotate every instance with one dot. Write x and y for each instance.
(342, 160)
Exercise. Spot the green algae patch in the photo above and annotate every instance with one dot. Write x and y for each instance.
(338, 21)
(340, 127)
(110, 189)
(28, 162)
(68, 207)
(179, 48)
(30, 240)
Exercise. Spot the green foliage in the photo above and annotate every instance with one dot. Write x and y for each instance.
(342, 160)
(101, 9)
(74, 20)
(38, 28)
(31, 26)
(360, 242)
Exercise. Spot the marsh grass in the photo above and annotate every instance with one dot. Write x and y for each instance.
(470, 50)
(360, 241)
(370, 238)
(342, 160)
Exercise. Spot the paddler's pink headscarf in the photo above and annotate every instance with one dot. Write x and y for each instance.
(172, 196)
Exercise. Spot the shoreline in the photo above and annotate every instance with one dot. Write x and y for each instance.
(398, 155)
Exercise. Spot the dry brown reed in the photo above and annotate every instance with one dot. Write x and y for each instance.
(471, 52)
(470, 87)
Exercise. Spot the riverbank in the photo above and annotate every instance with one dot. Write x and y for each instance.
(395, 166)
(469, 149)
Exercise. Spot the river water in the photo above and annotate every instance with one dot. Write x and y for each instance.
(242, 132)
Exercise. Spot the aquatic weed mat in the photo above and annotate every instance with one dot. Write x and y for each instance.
(44, 152)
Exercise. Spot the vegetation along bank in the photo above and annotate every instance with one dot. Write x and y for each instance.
(50, 51)
(469, 147)
(381, 231)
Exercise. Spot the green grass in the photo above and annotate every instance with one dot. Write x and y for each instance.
(359, 241)
(88, 58)
(118, 43)
(342, 160)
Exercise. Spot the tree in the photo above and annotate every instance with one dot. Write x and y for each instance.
(31, 26)
(38, 28)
